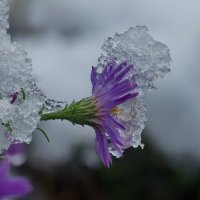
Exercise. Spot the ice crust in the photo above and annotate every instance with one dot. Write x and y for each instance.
(19, 119)
(53, 105)
(151, 60)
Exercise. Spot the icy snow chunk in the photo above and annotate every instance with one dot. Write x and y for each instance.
(53, 106)
(20, 99)
(151, 60)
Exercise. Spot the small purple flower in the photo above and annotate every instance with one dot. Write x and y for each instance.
(15, 149)
(16, 154)
(110, 89)
(12, 186)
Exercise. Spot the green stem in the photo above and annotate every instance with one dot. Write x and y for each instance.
(82, 112)
(44, 133)
(54, 115)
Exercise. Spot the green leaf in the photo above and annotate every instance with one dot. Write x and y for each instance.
(23, 93)
(44, 133)
(7, 126)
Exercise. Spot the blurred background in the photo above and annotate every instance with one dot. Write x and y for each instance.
(63, 39)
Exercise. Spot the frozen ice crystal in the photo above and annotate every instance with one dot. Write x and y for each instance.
(151, 60)
(52, 105)
(20, 99)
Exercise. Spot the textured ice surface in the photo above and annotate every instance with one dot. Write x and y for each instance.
(151, 60)
(20, 99)
(52, 105)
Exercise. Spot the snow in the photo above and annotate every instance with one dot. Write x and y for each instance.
(18, 116)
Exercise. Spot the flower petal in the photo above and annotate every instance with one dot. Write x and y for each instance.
(11, 186)
(102, 147)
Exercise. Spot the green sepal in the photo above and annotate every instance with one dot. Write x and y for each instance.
(82, 112)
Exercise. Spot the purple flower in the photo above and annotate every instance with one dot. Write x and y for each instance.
(15, 149)
(102, 110)
(116, 108)
(110, 89)
(12, 186)
(16, 154)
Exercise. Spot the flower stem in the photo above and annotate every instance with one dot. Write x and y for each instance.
(82, 112)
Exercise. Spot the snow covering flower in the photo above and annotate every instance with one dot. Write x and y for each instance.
(20, 99)
(110, 89)
(125, 72)
(12, 186)
(151, 60)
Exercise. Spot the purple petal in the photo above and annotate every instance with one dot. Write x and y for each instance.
(124, 98)
(4, 169)
(113, 134)
(103, 76)
(112, 75)
(15, 187)
(117, 123)
(93, 77)
(16, 154)
(15, 149)
(102, 148)
(120, 76)
(115, 138)
(110, 91)
(117, 91)
(10, 186)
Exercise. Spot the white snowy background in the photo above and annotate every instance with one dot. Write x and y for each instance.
(63, 39)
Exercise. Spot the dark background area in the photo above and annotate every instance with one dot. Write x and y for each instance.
(140, 174)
